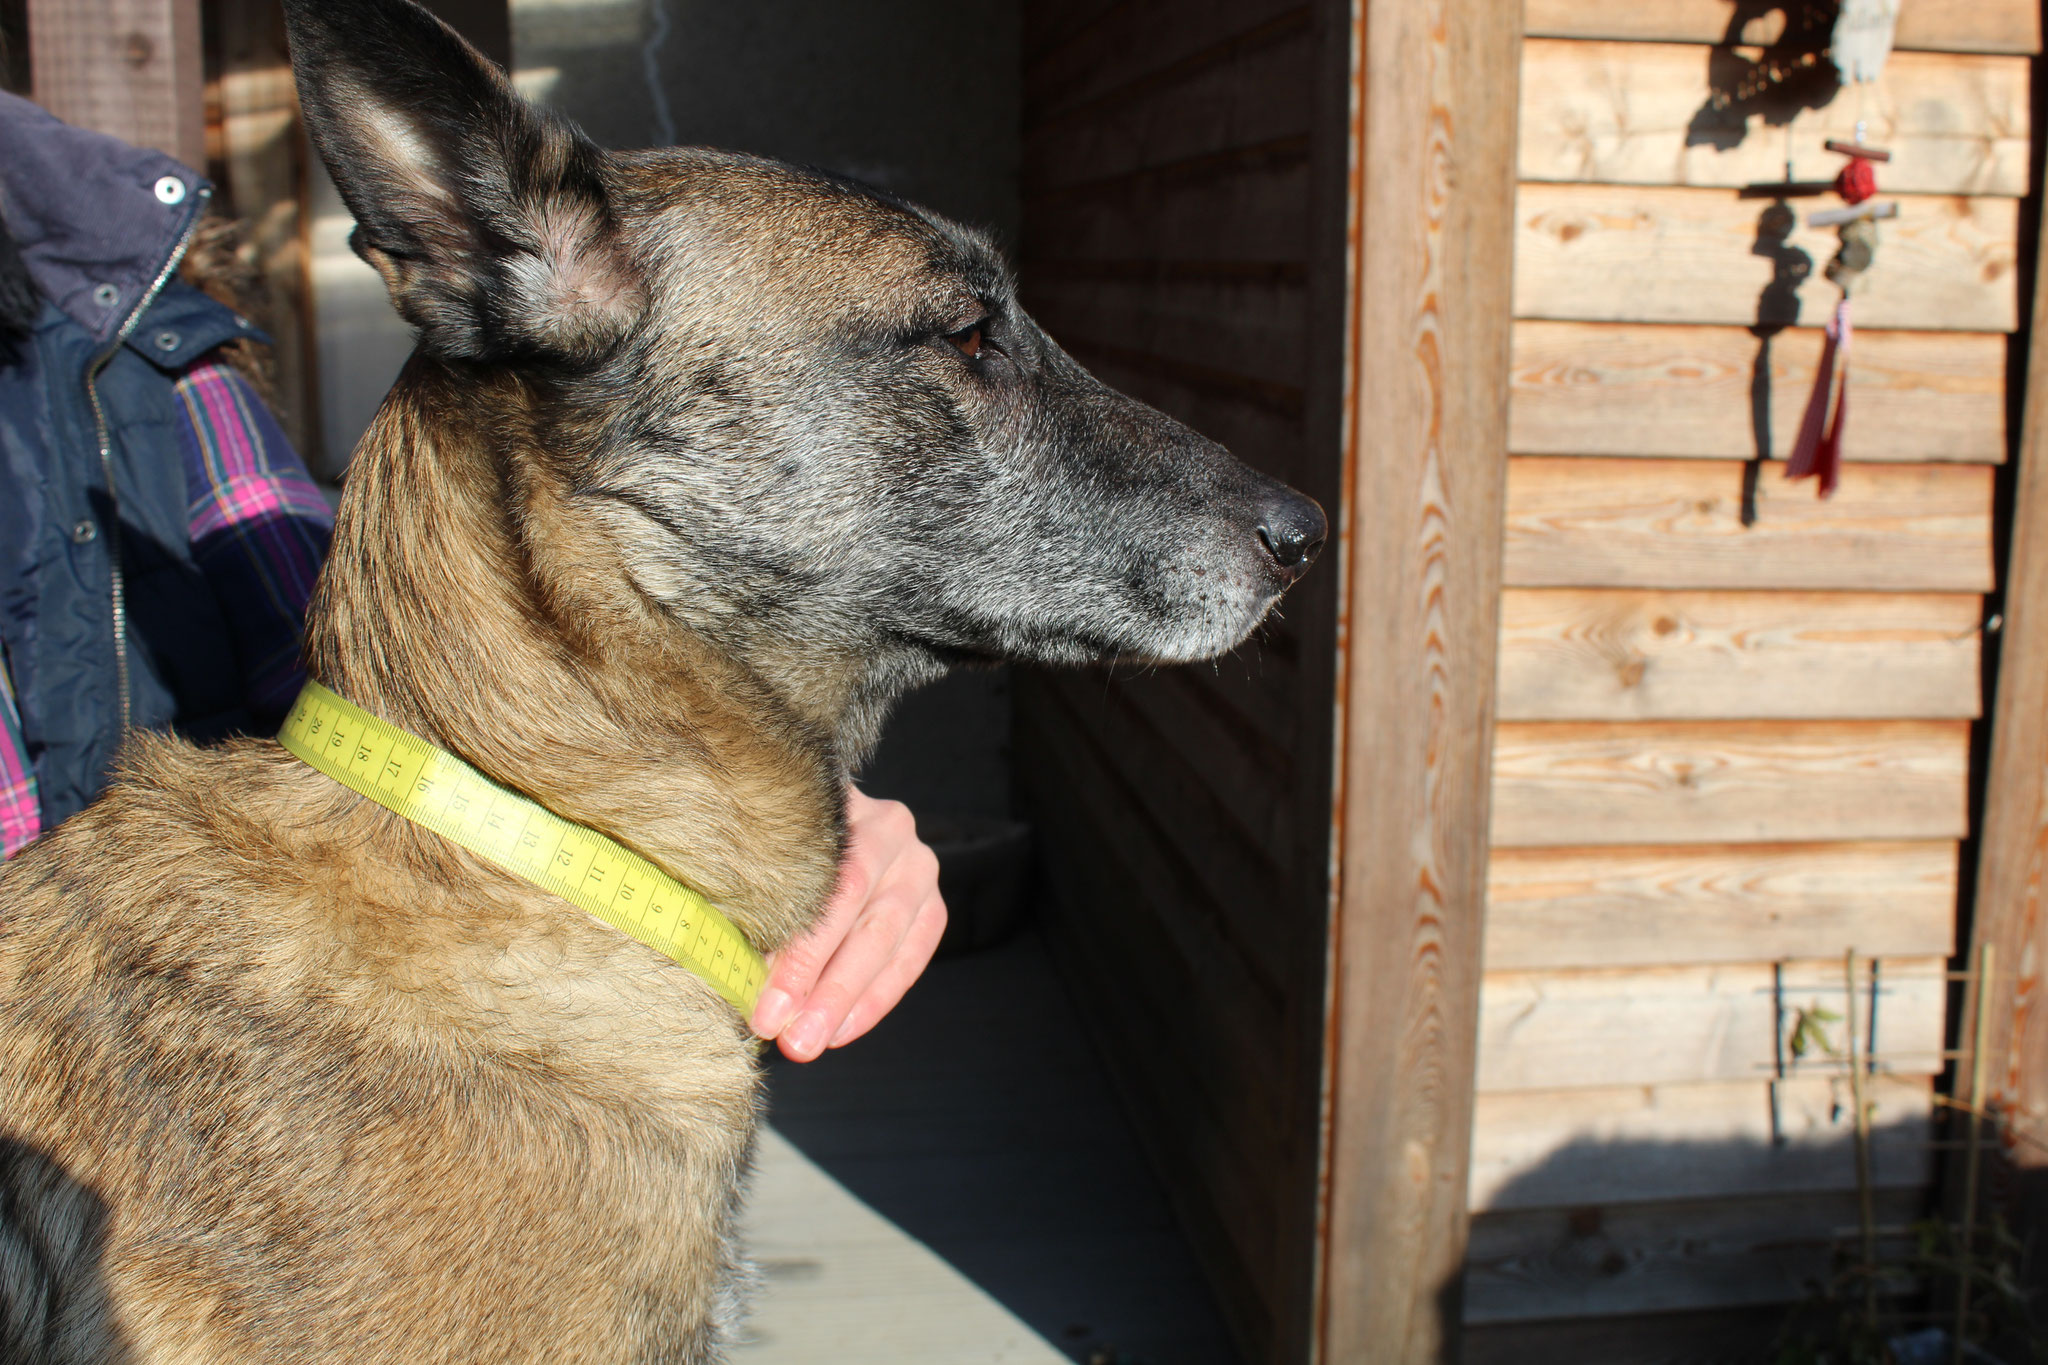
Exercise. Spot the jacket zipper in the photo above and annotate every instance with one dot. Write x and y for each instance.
(119, 588)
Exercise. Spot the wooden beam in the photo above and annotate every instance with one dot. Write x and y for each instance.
(262, 163)
(1681, 1025)
(1646, 253)
(1697, 903)
(1679, 524)
(1758, 781)
(1627, 1144)
(1625, 654)
(1628, 113)
(1133, 47)
(1543, 1265)
(1720, 1335)
(1617, 388)
(1248, 89)
(129, 68)
(1433, 87)
(1254, 329)
(1926, 25)
(2011, 904)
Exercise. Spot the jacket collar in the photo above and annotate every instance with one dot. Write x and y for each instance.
(98, 222)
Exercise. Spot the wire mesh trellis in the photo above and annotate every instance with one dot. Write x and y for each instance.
(1955, 1260)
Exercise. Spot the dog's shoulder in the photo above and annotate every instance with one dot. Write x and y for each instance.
(232, 1001)
(237, 889)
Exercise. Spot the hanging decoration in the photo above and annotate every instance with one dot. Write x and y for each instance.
(1862, 40)
(1817, 453)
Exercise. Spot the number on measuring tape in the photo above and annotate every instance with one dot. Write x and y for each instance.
(437, 790)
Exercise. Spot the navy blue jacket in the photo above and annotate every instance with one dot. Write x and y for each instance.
(104, 622)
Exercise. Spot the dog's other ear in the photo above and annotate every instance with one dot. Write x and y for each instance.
(487, 218)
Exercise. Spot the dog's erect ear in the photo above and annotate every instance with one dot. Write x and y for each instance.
(487, 218)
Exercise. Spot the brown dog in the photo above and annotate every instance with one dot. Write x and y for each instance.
(701, 461)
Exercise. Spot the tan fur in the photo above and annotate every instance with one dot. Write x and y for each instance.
(480, 1074)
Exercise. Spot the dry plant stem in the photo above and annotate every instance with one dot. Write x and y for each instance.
(1972, 1151)
(1865, 1208)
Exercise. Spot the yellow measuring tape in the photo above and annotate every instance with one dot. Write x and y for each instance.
(432, 787)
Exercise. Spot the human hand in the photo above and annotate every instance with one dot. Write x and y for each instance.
(877, 933)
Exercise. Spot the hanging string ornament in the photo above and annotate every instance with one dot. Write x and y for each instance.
(1818, 450)
(1862, 40)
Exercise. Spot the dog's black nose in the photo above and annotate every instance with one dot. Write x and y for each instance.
(1292, 529)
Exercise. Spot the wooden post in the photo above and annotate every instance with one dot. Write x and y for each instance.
(1432, 186)
(2011, 909)
(131, 68)
(262, 163)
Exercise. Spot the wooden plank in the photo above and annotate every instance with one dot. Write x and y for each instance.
(1250, 91)
(1228, 1205)
(1243, 770)
(1257, 328)
(1550, 1264)
(1424, 364)
(1927, 25)
(14, 55)
(1176, 152)
(262, 168)
(1223, 874)
(1667, 782)
(1634, 253)
(1620, 1144)
(1253, 691)
(1141, 43)
(1272, 398)
(2011, 911)
(1049, 23)
(1726, 1336)
(1252, 688)
(1679, 1025)
(1594, 388)
(1230, 1185)
(129, 68)
(1249, 206)
(1614, 907)
(1232, 1012)
(1678, 524)
(1628, 654)
(1641, 114)
(843, 1283)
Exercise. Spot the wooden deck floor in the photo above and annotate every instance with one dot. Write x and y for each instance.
(839, 1282)
(961, 1187)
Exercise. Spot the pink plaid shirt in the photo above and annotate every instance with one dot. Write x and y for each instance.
(259, 532)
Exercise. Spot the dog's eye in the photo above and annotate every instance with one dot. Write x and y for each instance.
(967, 341)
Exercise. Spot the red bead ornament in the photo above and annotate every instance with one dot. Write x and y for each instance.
(1857, 182)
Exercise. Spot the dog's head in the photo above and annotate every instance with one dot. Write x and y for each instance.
(803, 408)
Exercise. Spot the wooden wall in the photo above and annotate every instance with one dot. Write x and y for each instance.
(130, 68)
(1730, 748)
(1182, 237)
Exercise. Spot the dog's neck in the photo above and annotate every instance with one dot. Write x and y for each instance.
(468, 600)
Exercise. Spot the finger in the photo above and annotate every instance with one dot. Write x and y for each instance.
(793, 969)
(897, 976)
(866, 950)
